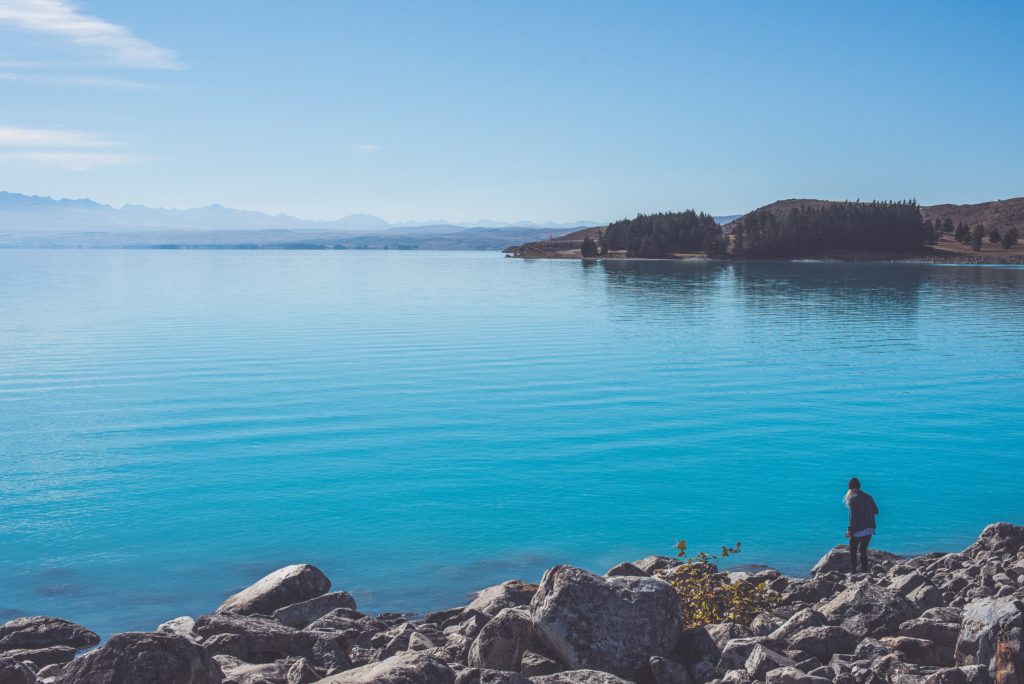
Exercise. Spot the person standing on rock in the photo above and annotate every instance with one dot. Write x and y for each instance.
(862, 523)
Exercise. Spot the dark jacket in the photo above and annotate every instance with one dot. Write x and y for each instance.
(862, 512)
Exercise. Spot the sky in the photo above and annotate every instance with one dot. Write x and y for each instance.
(526, 110)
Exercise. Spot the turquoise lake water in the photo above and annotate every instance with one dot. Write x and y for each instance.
(174, 424)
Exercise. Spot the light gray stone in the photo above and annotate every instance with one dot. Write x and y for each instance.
(290, 584)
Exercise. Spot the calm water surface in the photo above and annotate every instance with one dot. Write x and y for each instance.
(419, 425)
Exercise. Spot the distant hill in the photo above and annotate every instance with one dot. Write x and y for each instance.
(1001, 214)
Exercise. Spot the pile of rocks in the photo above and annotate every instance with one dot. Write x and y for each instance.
(953, 618)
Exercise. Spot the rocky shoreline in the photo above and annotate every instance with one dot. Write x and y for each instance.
(938, 618)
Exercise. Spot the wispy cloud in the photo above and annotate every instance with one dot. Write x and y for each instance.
(61, 18)
(11, 136)
(59, 148)
(366, 149)
(70, 161)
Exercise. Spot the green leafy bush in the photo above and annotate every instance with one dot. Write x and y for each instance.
(710, 597)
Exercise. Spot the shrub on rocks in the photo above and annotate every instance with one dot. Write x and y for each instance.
(284, 587)
(709, 596)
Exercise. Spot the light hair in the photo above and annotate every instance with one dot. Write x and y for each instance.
(849, 495)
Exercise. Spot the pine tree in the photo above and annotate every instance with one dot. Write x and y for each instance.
(994, 236)
(1010, 238)
(977, 236)
(589, 248)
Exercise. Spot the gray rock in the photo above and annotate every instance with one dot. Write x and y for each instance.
(942, 633)
(404, 668)
(763, 660)
(823, 642)
(867, 609)
(944, 614)
(765, 623)
(534, 664)
(703, 671)
(735, 677)
(792, 675)
(810, 591)
(256, 639)
(420, 642)
(706, 642)
(921, 651)
(284, 587)
(656, 564)
(976, 644)
(301, 672)
(502, 642)
(475, 675)
(906, 583)
(301, 614)
(871, 649)
(49, 671)
(15, 672)
(182, 626)
(736, 651)
(41, 631)
(925, 596)
(144, 657)
(667, 671)
(1003, 539)
(838, 560)
(967, 674)
(240, 672)
(614, 624)
(626, 570)
(493, 600)
(580, 677)
(50, 655)
(808, 617)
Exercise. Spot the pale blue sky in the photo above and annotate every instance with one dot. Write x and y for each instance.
(520, 110)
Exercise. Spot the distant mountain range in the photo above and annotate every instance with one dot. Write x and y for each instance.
(34, 221)
(32, 213)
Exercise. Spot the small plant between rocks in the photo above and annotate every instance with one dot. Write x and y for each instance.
(710, 596)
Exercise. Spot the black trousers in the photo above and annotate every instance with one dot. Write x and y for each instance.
(859, 545)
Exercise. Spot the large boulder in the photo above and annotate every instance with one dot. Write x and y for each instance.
(493, 600)
(404, 668)
(942, 633)
(838, 560)
(1002, 539)
(290, 584)
(41, 631)
(300, 614)
(612, 624)
(992, 635)
(763, 660)
(502, 642)
(144, 657)
(823, 642)
(50, 655)
(866, 609)
(251, 638)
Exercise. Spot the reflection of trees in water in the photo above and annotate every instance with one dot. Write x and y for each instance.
(856, 297)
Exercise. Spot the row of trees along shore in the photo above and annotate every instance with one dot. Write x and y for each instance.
(975, 237)
(837, 226)
(660, 235)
